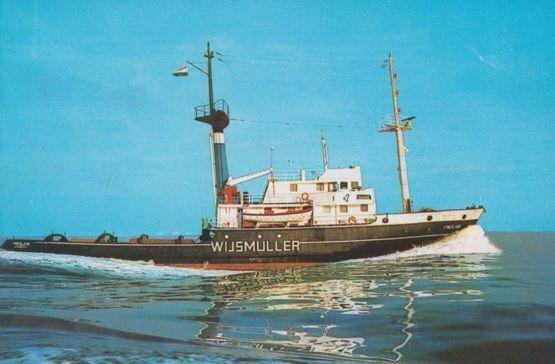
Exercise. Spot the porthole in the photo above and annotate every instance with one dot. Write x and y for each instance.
(464, 217)
(259, 236)
(429, 218)
(385, 220)
(227, 236)
(279, 235)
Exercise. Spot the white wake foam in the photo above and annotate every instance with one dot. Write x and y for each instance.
(102, 266)
(469, 241)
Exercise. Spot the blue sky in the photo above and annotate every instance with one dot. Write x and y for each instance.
(96, 134)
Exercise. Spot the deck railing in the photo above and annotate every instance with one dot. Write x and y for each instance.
(256, 199)
(321, 221)
(296, 174)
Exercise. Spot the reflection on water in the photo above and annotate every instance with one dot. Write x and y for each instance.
(408, 323)
(397, 308)
(319, 309)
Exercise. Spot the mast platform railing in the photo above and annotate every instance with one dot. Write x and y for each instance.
(203, 111)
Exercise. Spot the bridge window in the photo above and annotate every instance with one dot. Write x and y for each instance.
(332, 186)
(326, 209)
(354, 185)
(364, 208)
(319, 187)
(293, 187)
(364, 197)
(344, 185)
(344, 208)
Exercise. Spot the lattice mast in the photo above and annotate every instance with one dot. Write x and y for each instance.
(398, 127)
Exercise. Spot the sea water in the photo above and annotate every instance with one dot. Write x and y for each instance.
(469, 298)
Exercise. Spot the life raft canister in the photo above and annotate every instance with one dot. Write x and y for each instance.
(304, 197)
(352, 220)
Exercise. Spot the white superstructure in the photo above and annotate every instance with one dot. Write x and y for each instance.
(335, 197)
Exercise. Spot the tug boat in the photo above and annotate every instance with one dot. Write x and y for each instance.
(297, 221)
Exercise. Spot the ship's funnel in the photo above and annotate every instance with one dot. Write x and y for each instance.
(220, 161)
(218, 118)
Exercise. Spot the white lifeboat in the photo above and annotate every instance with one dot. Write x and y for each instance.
(293, 216)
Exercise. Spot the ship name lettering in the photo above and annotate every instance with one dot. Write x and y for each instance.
(217, 246)
(250, 246)
(21, 244)
(451, 227)
(255, 246)
(287, 246)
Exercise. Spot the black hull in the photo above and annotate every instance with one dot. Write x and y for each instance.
(263, 248)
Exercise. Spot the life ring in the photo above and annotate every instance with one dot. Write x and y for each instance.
(352, 220)
(304, 197)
